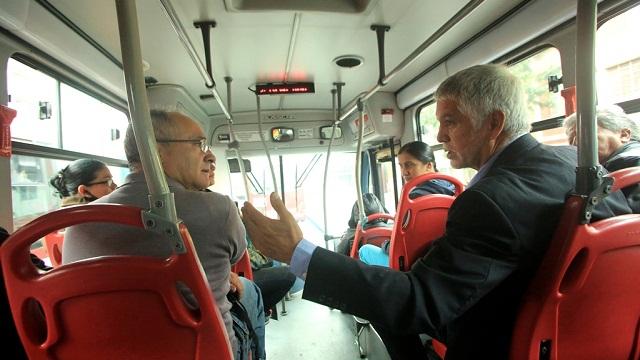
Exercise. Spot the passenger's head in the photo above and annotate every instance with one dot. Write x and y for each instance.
(211, 159)
(182, 147)
(416, 158)
(372, 205)
(479, 110)
(615, 129)
(88, 178)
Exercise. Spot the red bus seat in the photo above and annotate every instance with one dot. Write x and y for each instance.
(110, 307)
(584, 301)
(419, 221)
(243, 266)
(374, 235)
(53, 243)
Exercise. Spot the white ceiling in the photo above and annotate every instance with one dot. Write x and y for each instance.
(253, 46)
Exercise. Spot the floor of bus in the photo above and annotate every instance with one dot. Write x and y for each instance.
(313, 331)
(310, 331)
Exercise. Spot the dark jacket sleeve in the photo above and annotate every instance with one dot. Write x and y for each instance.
(477, 252)
(430, 187)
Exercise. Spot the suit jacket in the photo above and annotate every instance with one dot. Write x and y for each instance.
(466, 290)
(628, 155)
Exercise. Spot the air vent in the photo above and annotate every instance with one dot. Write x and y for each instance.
(339, 6)
(348, 61)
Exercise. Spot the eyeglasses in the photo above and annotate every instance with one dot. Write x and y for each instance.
(201, 142)
(108, 182)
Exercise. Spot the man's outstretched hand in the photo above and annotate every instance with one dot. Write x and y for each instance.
(276, 239)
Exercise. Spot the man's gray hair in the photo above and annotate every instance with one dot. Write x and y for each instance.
(610, 117)
(483, 89)
(163, 128)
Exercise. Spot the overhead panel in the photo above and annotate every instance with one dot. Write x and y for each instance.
(340, 6)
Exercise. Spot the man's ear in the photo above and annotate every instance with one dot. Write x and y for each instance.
(82, 190)
(625, 135)
(496, 123)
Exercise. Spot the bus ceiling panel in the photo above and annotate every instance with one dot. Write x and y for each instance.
(305, 139)
(252, 46)
(383, 119)
(338, 6)
(37, 26)
(532, 20)
(171, 97)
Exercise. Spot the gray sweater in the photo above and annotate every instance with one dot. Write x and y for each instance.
(211, 218)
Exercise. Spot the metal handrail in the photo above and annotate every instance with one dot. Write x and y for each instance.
(191, 50)
(466, 10)
(162, 215)
(587, 178)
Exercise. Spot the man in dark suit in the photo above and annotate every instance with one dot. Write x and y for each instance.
(466, 290)
(618, 144)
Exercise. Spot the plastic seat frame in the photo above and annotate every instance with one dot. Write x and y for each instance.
(243, 266)
(53, 243)
(419, 221)
(78, 310)
(368, 234)
(584, 301)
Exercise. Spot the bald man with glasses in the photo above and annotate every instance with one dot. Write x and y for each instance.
(212, 219)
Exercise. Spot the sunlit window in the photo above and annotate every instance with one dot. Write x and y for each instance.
(53, 114)
(534, 73)
(35, 97)
(90, 126)
(618, 58)
(31, 193)
(303, 179)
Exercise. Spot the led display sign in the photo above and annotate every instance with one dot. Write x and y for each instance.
(285, 88)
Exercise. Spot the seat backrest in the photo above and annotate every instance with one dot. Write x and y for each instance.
(419, 221)
(243, 266)
(110, 307)
(584, 301)
(371, 234)
(53, 243)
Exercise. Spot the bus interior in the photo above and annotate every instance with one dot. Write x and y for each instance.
(292, 77)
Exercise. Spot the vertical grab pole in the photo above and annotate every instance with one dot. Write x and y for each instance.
(361, 213)
(264, 144)
(589, 173)
(162, 216)
(326, 168)
(394, 174)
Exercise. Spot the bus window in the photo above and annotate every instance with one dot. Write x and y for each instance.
(31, 193)
(428, 124)
(303, 177)
(34, 95)
(618, 59)
(89, 125)
(386, 183)
(534, 71)
(53, 114)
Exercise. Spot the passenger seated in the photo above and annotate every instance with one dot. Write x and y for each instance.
(618, 144)
(83, 181)
(372, 205)
(466, 291)
(415, 158)
(274, 282)
(211, 218)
